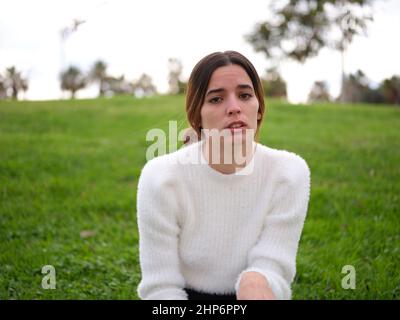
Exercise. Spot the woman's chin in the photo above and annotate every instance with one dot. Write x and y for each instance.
(241, 136)
(231, 135)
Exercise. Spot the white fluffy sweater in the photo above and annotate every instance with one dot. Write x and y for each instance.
(201, 229)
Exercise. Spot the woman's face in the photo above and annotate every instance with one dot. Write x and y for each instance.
(230, 102)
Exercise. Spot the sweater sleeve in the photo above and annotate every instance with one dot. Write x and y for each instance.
(157, 210)
(274, 254)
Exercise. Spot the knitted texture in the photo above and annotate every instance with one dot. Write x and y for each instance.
(202, 229)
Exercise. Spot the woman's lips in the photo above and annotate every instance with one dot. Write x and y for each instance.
(237, 130)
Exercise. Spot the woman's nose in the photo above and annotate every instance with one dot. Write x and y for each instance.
(234, 107)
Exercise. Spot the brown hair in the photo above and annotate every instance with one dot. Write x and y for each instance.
(200, 78)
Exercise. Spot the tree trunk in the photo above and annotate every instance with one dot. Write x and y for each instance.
(14, 93)
(342, 90)
(101, 88)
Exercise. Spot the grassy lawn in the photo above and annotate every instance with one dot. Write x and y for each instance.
(73, 166)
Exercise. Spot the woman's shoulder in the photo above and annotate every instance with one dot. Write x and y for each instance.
(162, 169)
(284, 164)
(169, 161)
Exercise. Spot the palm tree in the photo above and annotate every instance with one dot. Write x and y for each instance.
(72, 80)
(15, 81)
(98, 74)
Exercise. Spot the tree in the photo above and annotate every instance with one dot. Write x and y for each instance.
(73, 80)
(355, 88)
(390, 90)
(358, 89)
(301, 28)
(98, 74)
(3, 88)
(176, 86)
(15, 82)
(144, 86)
(274, 85)
(319, 92)
(117, 86)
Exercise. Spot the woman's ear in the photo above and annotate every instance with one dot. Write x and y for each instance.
(258, 116)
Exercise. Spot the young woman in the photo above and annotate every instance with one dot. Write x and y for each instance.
(215, 222)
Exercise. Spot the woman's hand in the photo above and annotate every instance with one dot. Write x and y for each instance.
(254, 286)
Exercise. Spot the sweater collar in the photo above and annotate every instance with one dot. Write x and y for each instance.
(239, 175)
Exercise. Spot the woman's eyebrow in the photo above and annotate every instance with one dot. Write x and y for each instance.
(245, 86)
(240, 86)
(215, 91)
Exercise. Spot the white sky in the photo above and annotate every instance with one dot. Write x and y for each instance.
(134, 37)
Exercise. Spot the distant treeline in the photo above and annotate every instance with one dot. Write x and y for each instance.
(297, 30)
(73, 80)
(356, 89)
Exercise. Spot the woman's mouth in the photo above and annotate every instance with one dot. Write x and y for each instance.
(237, 127)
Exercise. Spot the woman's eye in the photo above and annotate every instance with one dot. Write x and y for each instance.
(245, 96)
(215, 100)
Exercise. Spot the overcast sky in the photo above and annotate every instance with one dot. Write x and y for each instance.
(134, 37)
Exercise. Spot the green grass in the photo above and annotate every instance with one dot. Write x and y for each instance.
(69, 166)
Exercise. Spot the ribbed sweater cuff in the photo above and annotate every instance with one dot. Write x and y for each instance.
(168, 294)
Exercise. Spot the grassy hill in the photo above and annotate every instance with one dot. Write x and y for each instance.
(68, 177)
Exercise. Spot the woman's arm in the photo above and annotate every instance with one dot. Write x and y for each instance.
(272, 261)
(157, 210)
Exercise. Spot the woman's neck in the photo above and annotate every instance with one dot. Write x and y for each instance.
(229, 159)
